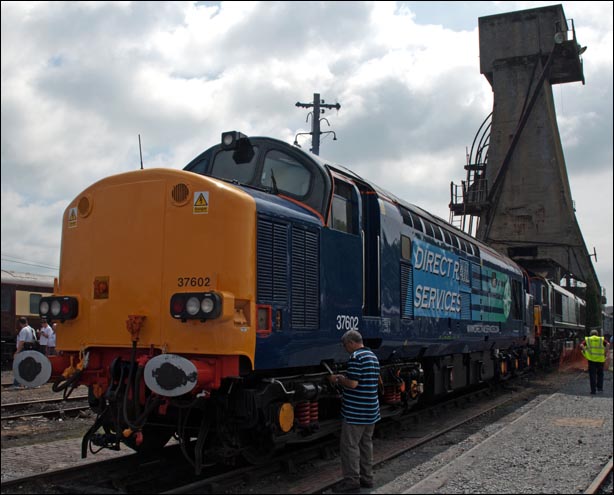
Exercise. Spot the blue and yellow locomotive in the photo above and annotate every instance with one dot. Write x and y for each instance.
(208, 303)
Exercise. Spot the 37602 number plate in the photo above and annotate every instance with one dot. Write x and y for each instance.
(345, 322)
(193, 281)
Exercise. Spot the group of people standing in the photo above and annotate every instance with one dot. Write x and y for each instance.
(46, 338)
(29, 339)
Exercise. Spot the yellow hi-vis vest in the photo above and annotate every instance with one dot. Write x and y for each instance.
(594, 349)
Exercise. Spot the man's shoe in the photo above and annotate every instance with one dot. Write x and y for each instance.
(600, 390)
(366, 484)
(346, 486)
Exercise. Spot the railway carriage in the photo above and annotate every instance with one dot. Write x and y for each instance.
(209, 303)
(559, 317)
(21, 294)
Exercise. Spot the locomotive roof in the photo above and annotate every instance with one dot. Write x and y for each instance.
(326, 166)
(23, 278)
(487, 252)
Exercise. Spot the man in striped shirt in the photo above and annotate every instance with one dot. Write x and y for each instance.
(360, 412)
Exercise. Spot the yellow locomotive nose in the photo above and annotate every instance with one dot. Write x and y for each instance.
(165, 260)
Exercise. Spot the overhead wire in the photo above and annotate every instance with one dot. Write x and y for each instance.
(12, 259)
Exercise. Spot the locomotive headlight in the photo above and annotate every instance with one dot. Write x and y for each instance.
(43, 308)
(59, 307)
(207, 305)
(55, 307)
(237, 141)
(228, 139)
(200, 305)
(192, 306)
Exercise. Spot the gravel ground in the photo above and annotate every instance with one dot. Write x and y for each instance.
(550, 445)
(38, 429)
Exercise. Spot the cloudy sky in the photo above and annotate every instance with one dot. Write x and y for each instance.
(81, 81)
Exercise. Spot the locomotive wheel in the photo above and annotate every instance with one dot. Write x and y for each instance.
(154, 438)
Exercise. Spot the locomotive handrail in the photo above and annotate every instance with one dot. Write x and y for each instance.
(276, 381)
(364, 248)
(379, 274)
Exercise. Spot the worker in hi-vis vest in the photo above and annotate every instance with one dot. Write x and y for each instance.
(594, 349)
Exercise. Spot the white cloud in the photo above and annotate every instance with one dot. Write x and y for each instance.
(80, 81)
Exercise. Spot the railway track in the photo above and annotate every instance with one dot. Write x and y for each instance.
(603, 478)
(289, 465)
(447, 424)
(43, 407)
(312, 469)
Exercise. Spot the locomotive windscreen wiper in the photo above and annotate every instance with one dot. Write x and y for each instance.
(274, 189)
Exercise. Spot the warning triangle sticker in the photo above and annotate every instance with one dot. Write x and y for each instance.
(201, 201)
(72, 218)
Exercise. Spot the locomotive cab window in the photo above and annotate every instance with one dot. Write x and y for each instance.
(285, 174)
(224, 167)
(344, 211)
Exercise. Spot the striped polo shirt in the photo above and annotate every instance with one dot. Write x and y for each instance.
(361, 405)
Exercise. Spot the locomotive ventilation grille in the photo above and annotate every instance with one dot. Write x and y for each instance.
(272, 263)
(288, 272)
(305, 279)
(407, 291)
(180, 193)
(84, 206)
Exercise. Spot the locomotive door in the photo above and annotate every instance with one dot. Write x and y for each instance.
(342, 258)
(371, 245)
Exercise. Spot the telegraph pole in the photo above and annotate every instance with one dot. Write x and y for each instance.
(318, 107)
